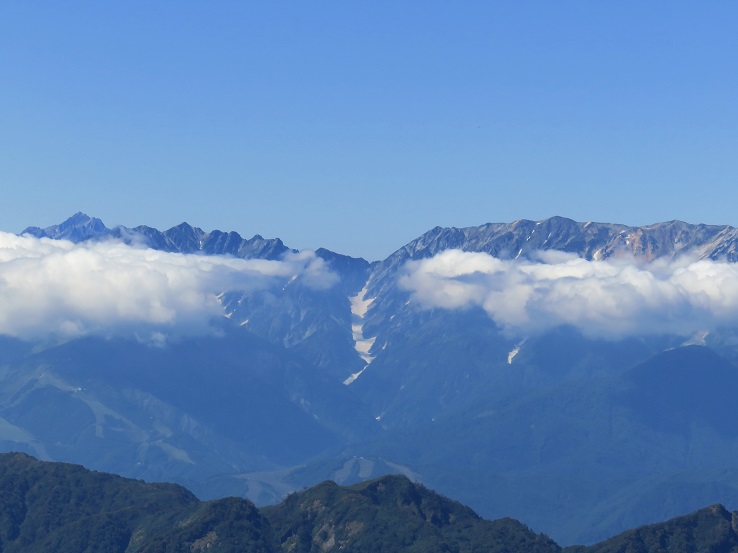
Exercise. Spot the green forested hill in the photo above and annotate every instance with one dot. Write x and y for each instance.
(392, 514)
(709, 530)
(56, 507)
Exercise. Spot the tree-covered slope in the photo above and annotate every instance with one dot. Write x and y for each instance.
(709, 530)
(392, 514)
(57, 507)
(62, 508)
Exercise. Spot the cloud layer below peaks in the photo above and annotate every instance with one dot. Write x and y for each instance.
(603, 299)
(60, 289)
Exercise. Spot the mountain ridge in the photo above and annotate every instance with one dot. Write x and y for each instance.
(520, 237)
(357, 380)
(59, 507)
(182, 238)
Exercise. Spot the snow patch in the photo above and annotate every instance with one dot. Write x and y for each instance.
(514, 352)
(363, 345)
(697, 339)
(354, 376)
(293, 278)
(359, 307)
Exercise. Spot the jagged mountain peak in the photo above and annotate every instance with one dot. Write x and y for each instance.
(591, 240)
(76, 228)
(182, 238)
(79, 218)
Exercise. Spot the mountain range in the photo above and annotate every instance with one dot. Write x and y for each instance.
(57, 507)
(580, 434)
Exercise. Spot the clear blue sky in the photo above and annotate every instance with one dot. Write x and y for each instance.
(359, 125)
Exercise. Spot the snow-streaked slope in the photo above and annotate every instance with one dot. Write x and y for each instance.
(359, 307)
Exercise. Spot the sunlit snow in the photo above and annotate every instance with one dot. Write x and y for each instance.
(359, 307)
(697, 339)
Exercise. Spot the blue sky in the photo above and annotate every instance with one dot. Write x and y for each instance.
(357, 126)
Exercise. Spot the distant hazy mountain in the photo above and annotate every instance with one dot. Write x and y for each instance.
(589, 240)
(183, 238)
(580, 437)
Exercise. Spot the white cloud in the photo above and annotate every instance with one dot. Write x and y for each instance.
(612, 298)
(57, 288)
(314, 271)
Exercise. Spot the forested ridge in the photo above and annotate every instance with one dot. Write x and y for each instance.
(59, 507)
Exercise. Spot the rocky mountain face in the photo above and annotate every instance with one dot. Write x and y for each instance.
(588, 240)
(183, 238)
(580, 437)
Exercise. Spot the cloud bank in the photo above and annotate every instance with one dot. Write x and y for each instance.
(60, 289)
(603, 299)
